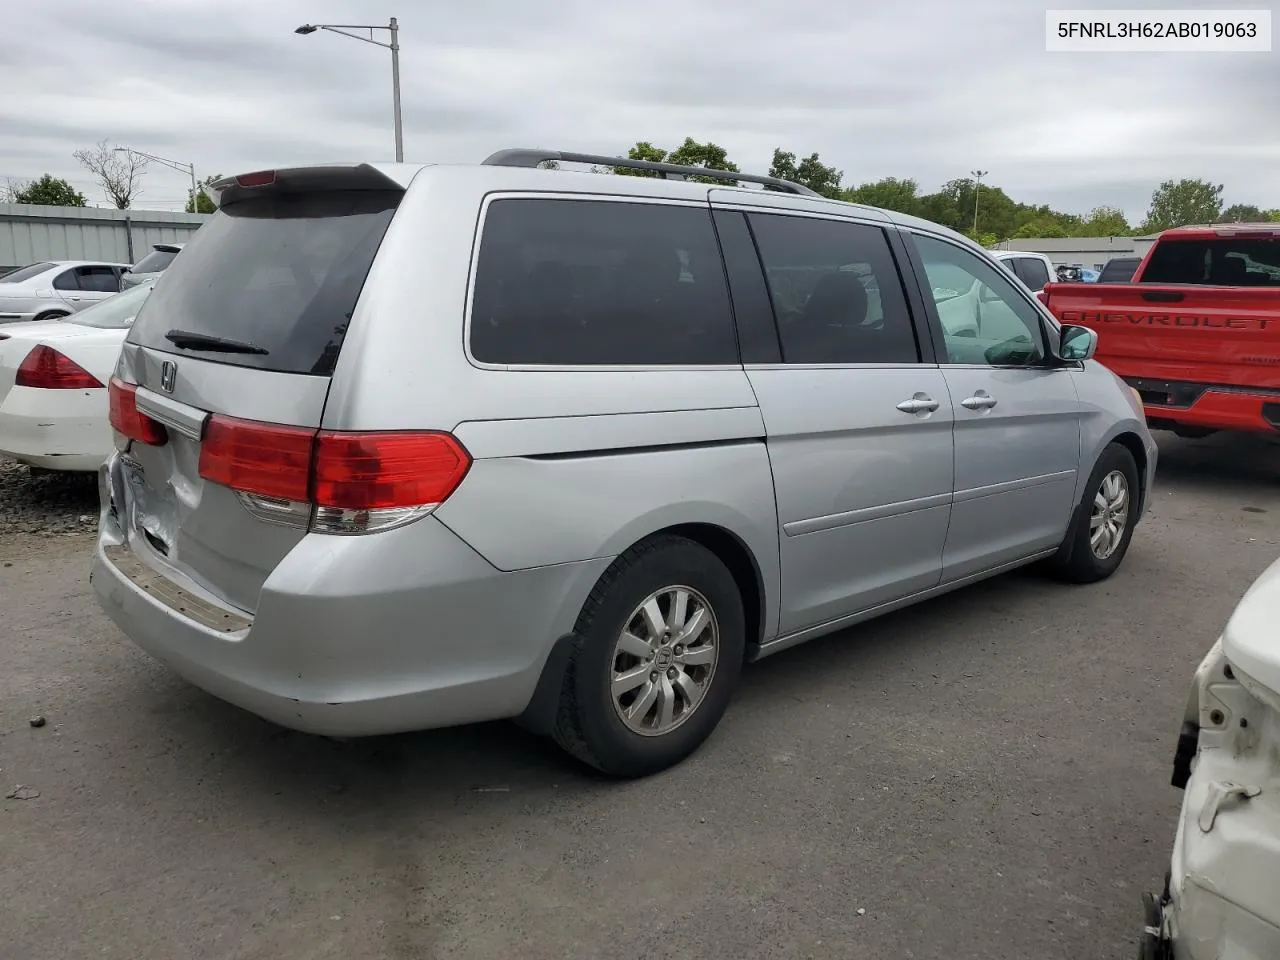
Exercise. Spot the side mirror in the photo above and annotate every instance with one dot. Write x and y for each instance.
(1077, 343)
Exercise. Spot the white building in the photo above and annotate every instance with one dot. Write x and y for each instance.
(1088, 252)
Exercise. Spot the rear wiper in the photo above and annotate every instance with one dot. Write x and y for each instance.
(186, 340)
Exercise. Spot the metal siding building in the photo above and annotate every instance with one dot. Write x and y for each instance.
(30, 233)
(1089, 252)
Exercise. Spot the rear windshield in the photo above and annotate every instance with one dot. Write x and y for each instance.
(281, 272)
(1225, 261)
(154, 262)
(25, 273)
(116, 312)
(1120, 270)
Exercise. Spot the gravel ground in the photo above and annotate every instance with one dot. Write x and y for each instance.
(982, 777)
(50, 504)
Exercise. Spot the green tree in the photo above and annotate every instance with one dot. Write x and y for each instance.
(49, 191)
(1178, 203)
(809, 172)
(1040, 227)
(1103, 222)
(691, 153)
(202, 202)
(1243, 213)
(890, 193)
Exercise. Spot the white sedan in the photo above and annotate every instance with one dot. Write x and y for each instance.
(53, 384)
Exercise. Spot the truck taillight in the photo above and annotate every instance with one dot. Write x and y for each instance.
(353, 482)
(46, 368)
(1043, 297)
(126, 418)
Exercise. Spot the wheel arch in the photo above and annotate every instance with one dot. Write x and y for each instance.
(729, 548)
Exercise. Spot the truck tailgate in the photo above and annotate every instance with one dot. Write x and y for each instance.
(1200, 334)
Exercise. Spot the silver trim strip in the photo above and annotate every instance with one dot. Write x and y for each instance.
(1008, 486)
(798, 528)
(186, 420)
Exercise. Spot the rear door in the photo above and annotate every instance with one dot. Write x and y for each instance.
(247, 325)
(857, 418)
(84, 286)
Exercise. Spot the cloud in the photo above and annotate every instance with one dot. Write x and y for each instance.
(927, 89)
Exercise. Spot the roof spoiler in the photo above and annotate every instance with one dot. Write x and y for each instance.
(355, 176)
(519, 157)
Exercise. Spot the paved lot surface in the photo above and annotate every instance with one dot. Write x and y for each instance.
(986, 776)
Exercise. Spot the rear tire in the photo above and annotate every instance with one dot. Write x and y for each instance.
(1102, 526)
(51, 315)
(656, 655)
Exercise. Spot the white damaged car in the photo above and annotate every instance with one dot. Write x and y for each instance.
(1222, 893)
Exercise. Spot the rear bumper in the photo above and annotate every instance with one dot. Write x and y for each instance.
(354, 636)
(1209, 407)
(55, 429)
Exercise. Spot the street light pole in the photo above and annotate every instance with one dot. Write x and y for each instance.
(977, 192)
(187, 168)
(393, 28)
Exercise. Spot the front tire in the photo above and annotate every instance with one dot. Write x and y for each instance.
(657, 652)
(1103, 524)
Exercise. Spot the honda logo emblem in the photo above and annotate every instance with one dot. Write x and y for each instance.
(168, 374)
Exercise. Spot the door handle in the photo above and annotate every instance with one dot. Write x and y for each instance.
(77, 299)
(919, 404)
(979, 401)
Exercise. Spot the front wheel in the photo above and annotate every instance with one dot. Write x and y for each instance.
(656, 655)
(1103, 526)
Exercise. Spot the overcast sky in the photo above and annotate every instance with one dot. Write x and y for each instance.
(928, 89)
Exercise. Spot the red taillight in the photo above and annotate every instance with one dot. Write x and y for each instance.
(343, 471)
(372, 471)
(260, 178)
(48, 369)
(255, 457)
(126, 418)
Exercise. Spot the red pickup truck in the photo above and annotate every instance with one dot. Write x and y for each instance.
(1196, 331)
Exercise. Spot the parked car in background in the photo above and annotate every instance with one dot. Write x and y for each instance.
(501, 441)
(1221, 897)
(1197, 331)
(1119, 269)
(1033, 269)
(1067, 274)
(53, 384)
(56, 288)
(152, 265)
(1089, 276)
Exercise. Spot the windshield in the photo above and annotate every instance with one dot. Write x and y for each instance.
(114, 313)
(154, 262)
(25, 273)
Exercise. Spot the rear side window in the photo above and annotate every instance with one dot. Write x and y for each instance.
(98, 279)
(155, 261)
(281, 272)
(66, 280)
(597, 282)
(1223, 261)
(835, 290)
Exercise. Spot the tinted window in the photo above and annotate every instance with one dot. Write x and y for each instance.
(99, 279)
(281, 271)
(1119, 270)
(66, 280)
(154, 262)
(1032, 272)
(599, 282)
(1225, 261)
(113, 313)
(985, 319)
(835, 290)
(25, 273)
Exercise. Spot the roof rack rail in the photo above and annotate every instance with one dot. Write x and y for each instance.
(519, 157)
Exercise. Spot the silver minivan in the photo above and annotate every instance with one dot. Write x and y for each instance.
(406, 446)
